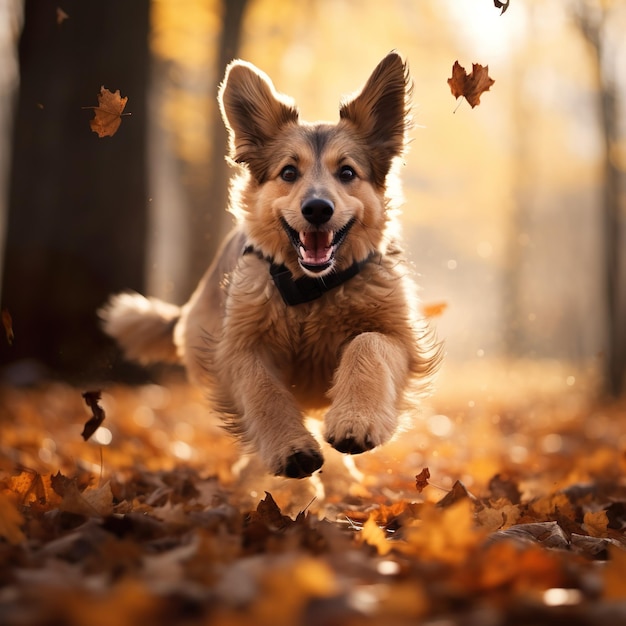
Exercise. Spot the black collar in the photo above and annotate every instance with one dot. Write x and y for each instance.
(305, 288)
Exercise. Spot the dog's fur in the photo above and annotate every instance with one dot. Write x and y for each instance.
(314, 198)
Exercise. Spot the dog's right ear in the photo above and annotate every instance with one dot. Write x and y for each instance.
(254, 112)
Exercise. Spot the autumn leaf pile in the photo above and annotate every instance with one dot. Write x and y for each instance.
(496, 510)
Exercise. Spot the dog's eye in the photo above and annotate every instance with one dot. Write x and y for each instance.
(289, 173)
(346, 174)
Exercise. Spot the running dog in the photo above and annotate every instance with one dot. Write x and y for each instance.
(309, 303)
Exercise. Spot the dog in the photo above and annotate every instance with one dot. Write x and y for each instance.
(309, 302)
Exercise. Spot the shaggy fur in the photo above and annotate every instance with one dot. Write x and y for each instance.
(314, 200)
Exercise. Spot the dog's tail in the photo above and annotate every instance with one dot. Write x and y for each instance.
(143, 327)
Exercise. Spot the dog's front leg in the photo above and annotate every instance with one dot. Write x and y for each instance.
(272, 421)
(367, 386)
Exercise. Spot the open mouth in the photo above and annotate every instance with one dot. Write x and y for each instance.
(316, 248)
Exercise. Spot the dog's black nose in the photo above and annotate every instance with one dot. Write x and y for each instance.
(317, 211)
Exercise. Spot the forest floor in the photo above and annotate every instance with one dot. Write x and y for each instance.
(503, 503)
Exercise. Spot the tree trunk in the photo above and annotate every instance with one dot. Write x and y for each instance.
(77, 204)
(208, 217)
(591, 22)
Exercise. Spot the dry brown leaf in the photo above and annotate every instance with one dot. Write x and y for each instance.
(470, 86)
(502, 4)
(421, 480)
(92, 399)
(596, 523)
(90, 503)
(108, 113)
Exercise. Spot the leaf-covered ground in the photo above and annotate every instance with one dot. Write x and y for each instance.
(504, 503)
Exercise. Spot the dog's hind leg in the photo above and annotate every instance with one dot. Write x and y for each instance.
(366, 392)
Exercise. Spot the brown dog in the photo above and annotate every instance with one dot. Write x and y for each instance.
(308, 303)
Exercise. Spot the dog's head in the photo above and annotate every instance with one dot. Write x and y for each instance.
(314, 195)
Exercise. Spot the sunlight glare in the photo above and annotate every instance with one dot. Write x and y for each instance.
(562, 597)
(103, 436)
(181, 450)
(440, 425)
(143, 416)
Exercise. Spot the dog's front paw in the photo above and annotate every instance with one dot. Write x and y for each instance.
(350, 444)
(359, 432)
(298, 463)
(301, 464)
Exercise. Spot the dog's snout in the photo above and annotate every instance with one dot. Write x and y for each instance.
(317, 210)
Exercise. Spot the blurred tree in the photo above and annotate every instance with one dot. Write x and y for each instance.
(188, 169)
(215, 199)
(592, 17)
(77, 203)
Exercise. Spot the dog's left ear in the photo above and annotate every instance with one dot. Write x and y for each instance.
(380, 113)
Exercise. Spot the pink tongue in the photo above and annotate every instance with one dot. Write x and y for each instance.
(316, 247)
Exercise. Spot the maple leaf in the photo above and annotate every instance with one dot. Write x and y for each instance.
(108, 113)
(421, 480)
(596, 523)
(470, 86)
(91, 400)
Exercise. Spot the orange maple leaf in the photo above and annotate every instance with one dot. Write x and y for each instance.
(434, 309)
(470, 86)
(108, 113)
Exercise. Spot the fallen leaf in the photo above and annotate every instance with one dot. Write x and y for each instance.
(373, 535)
(90, 503)
(92, 399)
(614, 579)
(501, 486)
(470, 86)
(458, 492)
(11, 520)
(596, 523)
(108, 113)
(421, 480)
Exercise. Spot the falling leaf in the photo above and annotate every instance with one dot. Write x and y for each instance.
(421, 480)
(434, 309)
(470, 86)
(502, 4)
(61, 16)
(92, 399)
(108, 113)
(7, 322)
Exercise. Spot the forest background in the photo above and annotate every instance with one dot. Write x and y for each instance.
(514, 214)
(503, 503)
